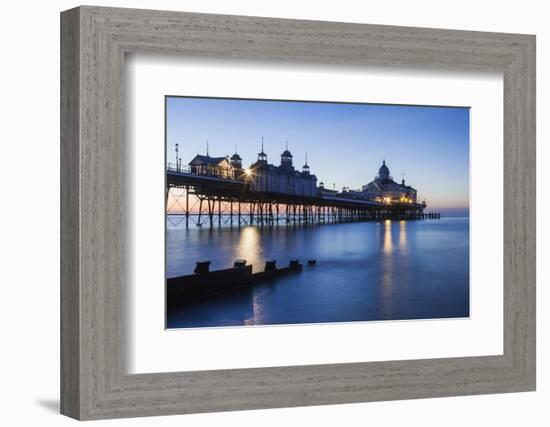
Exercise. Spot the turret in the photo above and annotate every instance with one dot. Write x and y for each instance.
(305, 168)
(286, 159)
(262, 157)
(236, 160)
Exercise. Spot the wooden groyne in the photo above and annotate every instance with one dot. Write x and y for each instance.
(431, 215)
(205, 284)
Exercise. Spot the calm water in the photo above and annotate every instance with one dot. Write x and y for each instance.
(365, 271)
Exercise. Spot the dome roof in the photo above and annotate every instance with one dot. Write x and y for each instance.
(235, 157)
(286, 153)
(383, 172)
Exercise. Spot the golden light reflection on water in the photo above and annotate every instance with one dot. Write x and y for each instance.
(388, 263)
(387, 269)
(250, 248)
(388, 245)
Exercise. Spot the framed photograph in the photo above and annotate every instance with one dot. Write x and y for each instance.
(255, 241)
(262, 213)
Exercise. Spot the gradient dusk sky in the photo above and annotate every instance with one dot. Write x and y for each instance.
(345, 143)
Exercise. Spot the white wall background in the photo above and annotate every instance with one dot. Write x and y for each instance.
(29, 212)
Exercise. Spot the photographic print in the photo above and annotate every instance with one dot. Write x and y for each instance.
(304, 212)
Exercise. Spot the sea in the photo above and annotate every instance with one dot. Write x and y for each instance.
(364, 271)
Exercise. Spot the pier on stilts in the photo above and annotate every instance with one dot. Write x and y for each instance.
(213, 201)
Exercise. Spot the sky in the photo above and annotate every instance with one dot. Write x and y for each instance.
(345, 143)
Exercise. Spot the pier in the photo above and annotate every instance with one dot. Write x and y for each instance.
(224, 200)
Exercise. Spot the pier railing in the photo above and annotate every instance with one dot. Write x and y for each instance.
(172, 167)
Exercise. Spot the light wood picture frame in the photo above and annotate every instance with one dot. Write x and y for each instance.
(94, 379)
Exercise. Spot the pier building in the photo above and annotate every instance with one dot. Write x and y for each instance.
(261, 176)
(266, 177)
(212, 166)
(384, 189)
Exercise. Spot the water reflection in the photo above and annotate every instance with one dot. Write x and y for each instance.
(364, 271)
(387, 269)
(250, 247)
(388, 245)
(258, 297)
(403, 235)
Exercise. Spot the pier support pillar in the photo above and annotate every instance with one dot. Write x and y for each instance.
(186, 206)
(200, 212)
(239, 212)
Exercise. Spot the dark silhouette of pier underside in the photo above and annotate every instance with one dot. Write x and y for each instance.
(224, 201)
